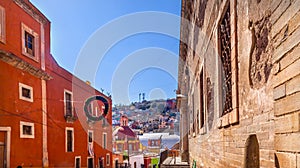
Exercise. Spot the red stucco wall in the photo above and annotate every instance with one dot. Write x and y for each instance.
(27, 151)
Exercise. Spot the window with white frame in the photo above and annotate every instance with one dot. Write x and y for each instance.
(69, 139)
(104, 140)
(26, 129)
(30, 43)
(68, 100)
(107, 159)
(25, 92)
(2, 24)
(77, 162)
(90, 137)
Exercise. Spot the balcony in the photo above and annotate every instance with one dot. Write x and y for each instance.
(71, 115)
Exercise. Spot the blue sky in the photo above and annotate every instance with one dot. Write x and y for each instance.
(139, 63)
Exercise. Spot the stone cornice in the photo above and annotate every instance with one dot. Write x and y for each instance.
(32, 11)
(17, 62)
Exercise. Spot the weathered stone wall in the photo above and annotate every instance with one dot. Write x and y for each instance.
(265, 44)
(286, 82)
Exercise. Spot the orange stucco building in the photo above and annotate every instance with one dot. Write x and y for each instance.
(44, 108)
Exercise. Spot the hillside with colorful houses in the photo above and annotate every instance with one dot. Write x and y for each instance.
(143, 130)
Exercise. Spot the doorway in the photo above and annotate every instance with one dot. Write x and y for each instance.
(252, 152)
(101, 162)
(90, 162)
(3, 150)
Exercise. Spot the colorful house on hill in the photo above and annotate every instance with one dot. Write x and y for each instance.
(124, 138)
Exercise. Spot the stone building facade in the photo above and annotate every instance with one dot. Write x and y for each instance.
(239, 83)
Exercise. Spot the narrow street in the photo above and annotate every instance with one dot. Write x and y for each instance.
(148, 84)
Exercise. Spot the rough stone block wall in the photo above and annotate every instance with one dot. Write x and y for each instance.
(268, 70)
(286, 83)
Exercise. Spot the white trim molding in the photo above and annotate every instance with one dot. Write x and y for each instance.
(2, 25)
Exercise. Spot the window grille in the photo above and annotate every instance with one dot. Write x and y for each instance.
(225, 53)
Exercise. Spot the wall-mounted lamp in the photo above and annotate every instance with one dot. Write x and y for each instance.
(180, 96)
